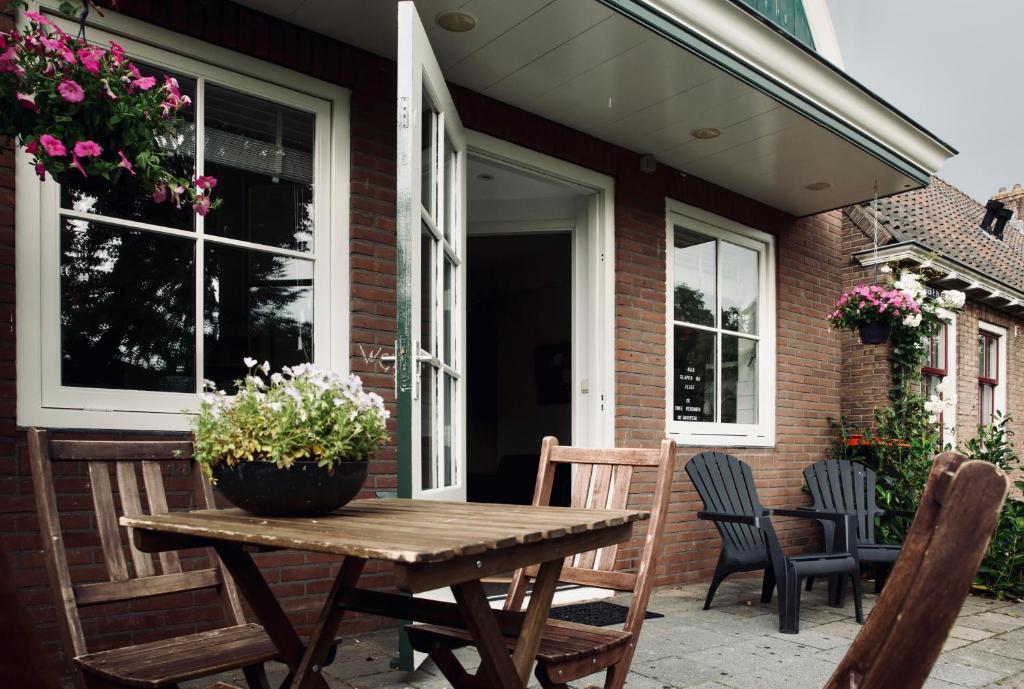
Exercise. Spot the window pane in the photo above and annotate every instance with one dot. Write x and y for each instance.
(427, 162)
(127, 308)
(739, 380)
(262, 156)
(96, 196)
(740, 284)
(449, 429)
(992, 356)
(987, 403)
(694, 394)
(449, 296)
(427, 464)
(694, 273)
(427, 290)
(258, 305)
(982, 349)
(450, 186)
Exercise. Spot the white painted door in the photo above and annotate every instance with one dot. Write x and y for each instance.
(431, 202)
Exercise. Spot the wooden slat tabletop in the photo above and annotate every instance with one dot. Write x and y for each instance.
(399, 530)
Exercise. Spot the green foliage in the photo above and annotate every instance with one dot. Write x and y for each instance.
(1002, 571)
(302, 412)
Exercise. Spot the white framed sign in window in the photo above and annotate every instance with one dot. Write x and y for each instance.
(126, 305)
(720, 303)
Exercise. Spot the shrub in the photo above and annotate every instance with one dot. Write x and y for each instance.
(1002, 571)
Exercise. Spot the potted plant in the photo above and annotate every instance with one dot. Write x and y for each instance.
(873, 310)
(89, 117)
(296, 442)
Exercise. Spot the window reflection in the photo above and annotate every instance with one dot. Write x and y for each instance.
(256, 304)
(695, 277)
(127, 308)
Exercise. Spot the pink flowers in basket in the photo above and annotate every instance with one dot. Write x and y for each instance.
(871, 304)
(84, 109)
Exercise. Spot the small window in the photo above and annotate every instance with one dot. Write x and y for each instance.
(721, 337)
(989, 386)
(939, 349)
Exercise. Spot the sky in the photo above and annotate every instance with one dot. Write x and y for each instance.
(956, 67)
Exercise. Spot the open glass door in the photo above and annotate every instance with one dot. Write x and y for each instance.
(430, 358)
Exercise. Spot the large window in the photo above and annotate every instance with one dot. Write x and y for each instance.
(140, 302)
(991, 372)
(721, 360)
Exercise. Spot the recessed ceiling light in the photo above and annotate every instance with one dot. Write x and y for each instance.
(818, 186)
(706, 133)
(457, 22)
(485, 177)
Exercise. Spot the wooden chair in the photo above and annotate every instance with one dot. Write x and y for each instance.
(839, 485)
(726, 487)
(156, 664)
(902, 639)
(569, 651)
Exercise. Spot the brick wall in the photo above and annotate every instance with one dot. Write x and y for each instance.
(810, 256)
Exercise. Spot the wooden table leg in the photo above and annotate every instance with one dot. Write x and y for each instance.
(536, 617)
(268, 611)
(327, 624)
(495, 661)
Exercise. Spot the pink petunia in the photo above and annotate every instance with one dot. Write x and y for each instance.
(71, 91)
(144, 83)
(41, 171)
(160, 193)
(117, 51)
(125, 163)
(38, 18)
(201, 205)
(90, 57)
(206, 182)
(77, 164)
(27, 100)
(53, 146)
(84, 149)
(31, 147)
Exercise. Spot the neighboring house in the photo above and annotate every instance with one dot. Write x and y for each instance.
(961, 244)
(613, 223)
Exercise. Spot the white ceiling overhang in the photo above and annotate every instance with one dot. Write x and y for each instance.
(645, 74)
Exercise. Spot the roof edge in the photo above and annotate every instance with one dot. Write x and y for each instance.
(727, 35)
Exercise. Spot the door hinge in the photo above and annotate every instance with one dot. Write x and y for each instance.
(403, 112)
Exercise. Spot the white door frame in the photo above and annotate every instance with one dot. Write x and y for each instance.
(593, 400)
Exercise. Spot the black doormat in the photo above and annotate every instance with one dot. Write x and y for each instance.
(597, 613)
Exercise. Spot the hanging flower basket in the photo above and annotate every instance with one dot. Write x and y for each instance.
(89, 117)
(876, 332)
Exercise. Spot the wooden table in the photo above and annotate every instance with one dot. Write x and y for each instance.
(431, 544)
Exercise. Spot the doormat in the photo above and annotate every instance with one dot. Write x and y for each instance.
(597, 613)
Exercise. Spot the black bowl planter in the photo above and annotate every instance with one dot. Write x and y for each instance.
(875, 333)
(302, 489)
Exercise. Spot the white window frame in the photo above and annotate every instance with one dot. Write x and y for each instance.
(42, 400)
(1001, 359)
(718, 434)
(949, 416)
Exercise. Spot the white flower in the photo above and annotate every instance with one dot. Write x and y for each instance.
(933, 419)
(910, 284)
(952, 299)
(913, 320)
(945, 315)
(209, 384)
(934, 405)
(257, 381)
(885, 269)
(277, 379)
(249, 362)
(265, 367)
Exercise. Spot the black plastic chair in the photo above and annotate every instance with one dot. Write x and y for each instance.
(726, 487)
(839, 485)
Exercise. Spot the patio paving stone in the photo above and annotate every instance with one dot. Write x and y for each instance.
(735, 645)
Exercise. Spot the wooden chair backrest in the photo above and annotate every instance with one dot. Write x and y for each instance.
(839, 485)
(124, 582)
(904, 635)
(602, 480)
(725, 485)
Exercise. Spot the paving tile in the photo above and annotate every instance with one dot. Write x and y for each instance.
(969, 633)
(993, 622)
(964, 675)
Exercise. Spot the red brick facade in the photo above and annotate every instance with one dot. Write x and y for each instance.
(810, 255)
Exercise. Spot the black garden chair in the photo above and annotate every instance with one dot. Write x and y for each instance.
(726, 487)
(839, 485)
